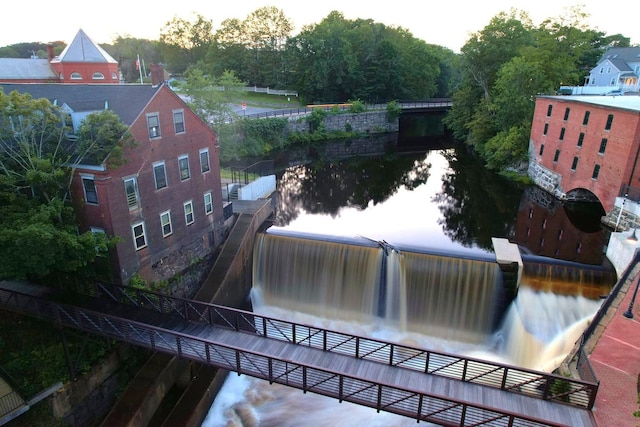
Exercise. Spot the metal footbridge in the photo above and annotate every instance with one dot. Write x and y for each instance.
(429, 386)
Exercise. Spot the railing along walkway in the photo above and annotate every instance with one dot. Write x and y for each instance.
(427, 386)
(436, 103)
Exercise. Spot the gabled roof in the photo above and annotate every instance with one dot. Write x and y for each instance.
(26, 69)
(127, 101)
(83, 49)
(624, 54)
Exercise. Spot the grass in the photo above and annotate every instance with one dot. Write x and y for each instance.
(263, 99)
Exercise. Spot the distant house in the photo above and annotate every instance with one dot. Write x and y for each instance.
(165, 203)
(82, 61)
(618, 68)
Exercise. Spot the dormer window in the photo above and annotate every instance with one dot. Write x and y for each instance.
(97, 76)
(76, 76)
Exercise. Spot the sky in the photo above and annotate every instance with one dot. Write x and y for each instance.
(446, 23)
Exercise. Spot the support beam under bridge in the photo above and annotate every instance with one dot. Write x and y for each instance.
(510, 262)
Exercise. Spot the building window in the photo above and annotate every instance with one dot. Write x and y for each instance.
(178, 121)
(603, 146)
(165, 221)
(97, 76)
(541, 150)
(90, 193)
(555, 156)
(183, 164)
(546, 129)
(585, 120)
(131, 191)
(580, 139)
(208, 203)
(204, 160)
(596, 172)
(188, 212)
(549, 109)
(114, 76)
(562, 134)
(139, 239)
(566, 113)
(160, 175)
(153, 123)
(76, 76)
(574, 165)
(609, 122)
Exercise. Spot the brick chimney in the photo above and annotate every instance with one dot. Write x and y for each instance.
(157, 74)
(50, 53)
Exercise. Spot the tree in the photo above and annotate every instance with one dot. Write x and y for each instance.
(38, 234)
(126, 49)
(184, 42)
(211, 98)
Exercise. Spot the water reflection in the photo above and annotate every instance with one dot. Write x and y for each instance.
(442, 199)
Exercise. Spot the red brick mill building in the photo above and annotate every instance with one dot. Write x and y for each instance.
(588, 148)
(165, 201)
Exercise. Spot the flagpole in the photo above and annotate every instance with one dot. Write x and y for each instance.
(139, 68)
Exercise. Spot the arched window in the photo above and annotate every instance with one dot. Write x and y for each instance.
(76, 76)
(97, 76)
(114, 76)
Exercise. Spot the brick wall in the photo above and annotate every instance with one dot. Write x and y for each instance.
(561, 147)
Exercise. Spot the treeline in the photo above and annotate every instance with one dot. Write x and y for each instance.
(505, 66)
(493, 81)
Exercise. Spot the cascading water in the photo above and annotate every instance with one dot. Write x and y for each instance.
(432, 301)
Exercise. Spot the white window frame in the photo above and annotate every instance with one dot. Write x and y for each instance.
(75, 76)
(189, 217)
(132, 202)
(97, 76)
(136, 236)
(84, 189)
(163, 223)
(155, 177)
(184, 160)
(208, 203)
(153, 125)
(204, 151)
(177, 123)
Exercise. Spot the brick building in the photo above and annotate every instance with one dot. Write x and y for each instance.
(165, 202)
(586, 147)
(82, 61)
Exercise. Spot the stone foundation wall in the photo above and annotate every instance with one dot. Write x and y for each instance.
(368, 122)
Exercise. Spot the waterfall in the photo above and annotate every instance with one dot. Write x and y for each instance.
(445, 297)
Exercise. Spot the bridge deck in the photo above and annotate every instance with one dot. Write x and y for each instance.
(544, 412)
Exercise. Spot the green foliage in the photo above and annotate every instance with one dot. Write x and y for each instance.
(38, 233)
(393, 111)
(251, 138)
(357, 106)
(211, 97)
(504, 67)
(507, 147)
(316, 120)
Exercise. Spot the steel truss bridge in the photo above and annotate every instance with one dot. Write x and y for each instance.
(436, 387)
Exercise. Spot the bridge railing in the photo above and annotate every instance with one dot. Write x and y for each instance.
(403, 401)
(542, 385)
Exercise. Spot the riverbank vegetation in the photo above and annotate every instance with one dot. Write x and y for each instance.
(493, 80)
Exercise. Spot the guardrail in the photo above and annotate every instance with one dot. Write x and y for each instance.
(403, 401)
(435, 103)
(546, 386)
